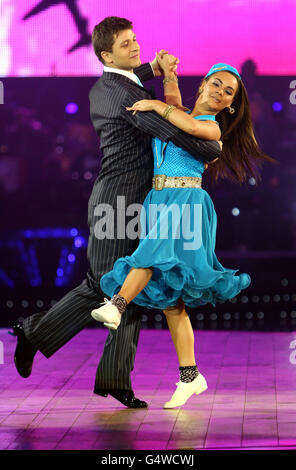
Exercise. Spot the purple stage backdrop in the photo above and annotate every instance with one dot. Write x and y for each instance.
(54, 38)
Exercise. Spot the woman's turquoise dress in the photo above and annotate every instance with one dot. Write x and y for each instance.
(178, 237)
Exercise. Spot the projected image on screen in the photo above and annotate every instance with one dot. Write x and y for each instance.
(53, 37)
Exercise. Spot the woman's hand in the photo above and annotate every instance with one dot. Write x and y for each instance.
(142, 105)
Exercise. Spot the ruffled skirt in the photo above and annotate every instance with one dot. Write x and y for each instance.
(178, 237)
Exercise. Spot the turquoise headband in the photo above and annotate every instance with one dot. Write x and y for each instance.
(222, 68)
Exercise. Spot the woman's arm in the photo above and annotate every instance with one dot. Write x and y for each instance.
(203, 129)
(171, 90)
(170, 83)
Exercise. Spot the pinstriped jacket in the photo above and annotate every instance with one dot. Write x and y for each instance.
(125, 140)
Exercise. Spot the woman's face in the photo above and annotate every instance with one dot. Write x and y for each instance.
(218, 91)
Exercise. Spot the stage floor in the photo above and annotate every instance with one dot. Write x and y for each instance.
(250, 402)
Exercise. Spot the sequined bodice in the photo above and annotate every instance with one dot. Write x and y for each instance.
(171, 160)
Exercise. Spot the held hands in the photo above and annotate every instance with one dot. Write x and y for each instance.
(168, 63)
(164, 63)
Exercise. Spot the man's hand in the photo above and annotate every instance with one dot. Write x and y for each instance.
(156, 63)
(213, 161)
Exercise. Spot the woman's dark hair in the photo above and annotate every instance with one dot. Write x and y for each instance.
(241, 156)
(105, 33)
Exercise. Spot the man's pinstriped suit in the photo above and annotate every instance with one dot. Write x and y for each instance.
(126, 170)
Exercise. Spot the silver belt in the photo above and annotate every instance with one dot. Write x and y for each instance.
(162, 181)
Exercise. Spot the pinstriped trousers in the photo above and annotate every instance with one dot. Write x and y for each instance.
(49, 331)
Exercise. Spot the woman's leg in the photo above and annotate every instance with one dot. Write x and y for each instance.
(191, 381)
(110, 314)
(182, 333)
(136, 280)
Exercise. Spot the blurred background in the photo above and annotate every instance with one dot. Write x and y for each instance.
(50, 157)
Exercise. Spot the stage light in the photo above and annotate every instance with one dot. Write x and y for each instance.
(78, 242)
(71, 108)
(74, 232)
(260, 315)
(36, 125)
(276, 298)
(88, 175)
(200, 316)
(235, 211)
(75, 175)
(227, 316)
(277, 107)
(252, 181)
(144, 318)
(158, 326)
(25, 303)
(283, 314)
(158, 317)
(244, 299)
(284, 282)
(286, 297)
(39, 303)
(4, 279)
(9, 303)
(266, 298)
(213, 316)
(255, 299)
(249, 315)
(234, 300)
(71, 258)
(236, 315)
(59, 150)
(293, 314)
(60, 139)
(60, 272)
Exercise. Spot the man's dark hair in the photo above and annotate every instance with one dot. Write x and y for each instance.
(105, 33)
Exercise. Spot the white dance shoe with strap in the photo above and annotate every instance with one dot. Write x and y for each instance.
(186, 390)
(108, 314)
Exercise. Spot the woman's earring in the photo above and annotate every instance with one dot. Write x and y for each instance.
(231, 110)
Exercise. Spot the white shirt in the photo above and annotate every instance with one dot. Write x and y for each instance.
(127, 74)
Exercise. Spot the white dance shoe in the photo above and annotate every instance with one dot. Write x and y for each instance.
(108, 314)
(186, 390)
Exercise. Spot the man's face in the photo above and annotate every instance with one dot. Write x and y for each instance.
(125, 53)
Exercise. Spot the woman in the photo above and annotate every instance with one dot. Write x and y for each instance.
(168, 272)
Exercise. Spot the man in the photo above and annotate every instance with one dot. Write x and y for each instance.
(126, 175)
